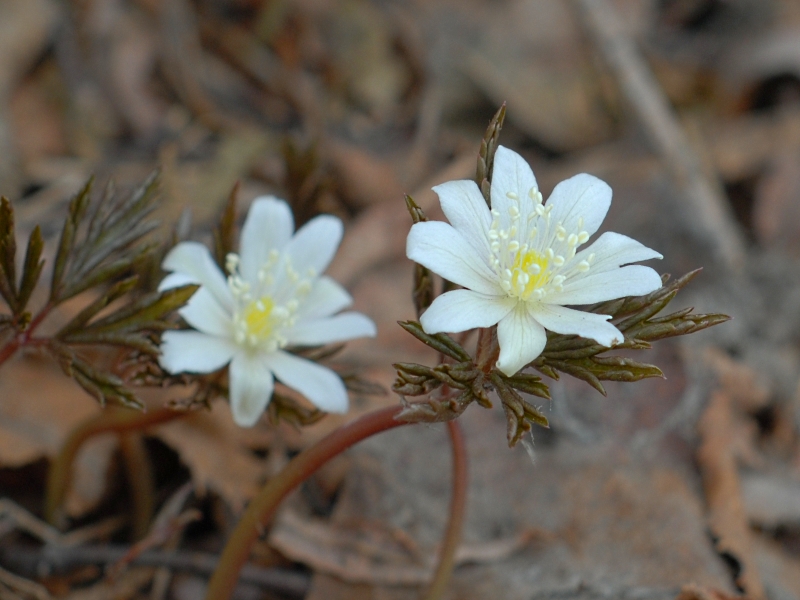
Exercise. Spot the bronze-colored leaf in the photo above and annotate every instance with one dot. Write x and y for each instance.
(483, 175)
(439, 341)
(225, 231)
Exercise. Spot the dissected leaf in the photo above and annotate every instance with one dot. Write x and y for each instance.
(422, 293)
(107, 247)
(32, 268)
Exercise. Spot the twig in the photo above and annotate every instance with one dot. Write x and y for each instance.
(20, 584)
(54, 560)
(140, 481)
(458, 507)
(704, 199)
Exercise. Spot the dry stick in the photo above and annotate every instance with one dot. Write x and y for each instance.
(458, 508)
(704, 199)
(119, 421)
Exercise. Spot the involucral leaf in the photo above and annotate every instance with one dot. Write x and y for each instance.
(225, 231)
(483, 174)
(422, 293)
(439, 341)
(77, 210)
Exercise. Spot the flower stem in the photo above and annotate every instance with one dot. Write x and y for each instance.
(458, 505)
(263, 507)
(110, 420)
(22, 338)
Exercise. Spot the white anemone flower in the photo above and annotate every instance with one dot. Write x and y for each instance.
(274, 297)
(520, 262)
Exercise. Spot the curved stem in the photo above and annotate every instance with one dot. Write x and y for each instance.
(139, 472)
(458, 506)
(263, 507)
(119, 421)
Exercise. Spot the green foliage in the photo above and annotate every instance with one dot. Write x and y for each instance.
(225, 231)
(423, 291)
(17, 296)
(101, 245)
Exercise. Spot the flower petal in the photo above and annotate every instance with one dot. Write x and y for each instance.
(612, 250)
(512, 181)
(521, 340)
(327, 330)
(465, 208)
(205, 314)
(268, 226)
(325, 298)
(570, 321)
(633, 280)
(581, 196)
(251, 386)
(324, 388)
(439, 247)
(314, 244)
(194, 260)
(194, 352)
(461, 310)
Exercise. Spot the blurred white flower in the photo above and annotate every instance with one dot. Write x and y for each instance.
(274, 297)
(520, 262)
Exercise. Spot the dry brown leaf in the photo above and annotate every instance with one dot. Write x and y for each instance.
(373, 553)
(725, 438)
(40, 406)
(214, 449)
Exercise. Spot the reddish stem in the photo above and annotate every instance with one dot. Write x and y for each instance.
(263, 507)
(458, 508)
(24, 338)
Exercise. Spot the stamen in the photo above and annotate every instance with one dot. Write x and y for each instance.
(512, 196)
(583, 236)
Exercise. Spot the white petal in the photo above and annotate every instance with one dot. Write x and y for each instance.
(511, 175)
(521, 340)
(328, 330)
(570, 321)
(324, 388)
(174, 280)
(194, 352)
(465, 208)
(461, 310)
(612, 250)
(315, 244)
(581, 196)
(205, 314)
(633, 280)
(194, 260)
(268, 226)
(251, 385)
(444, 251)
(325, 298)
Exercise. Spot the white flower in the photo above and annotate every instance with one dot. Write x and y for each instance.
(274, 297)
(520, 261)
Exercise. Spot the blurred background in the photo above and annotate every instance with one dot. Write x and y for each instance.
(689, 109)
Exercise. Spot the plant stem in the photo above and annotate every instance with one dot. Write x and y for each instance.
(110, 420)
(458, 506)
(23, 337)
(263, 507)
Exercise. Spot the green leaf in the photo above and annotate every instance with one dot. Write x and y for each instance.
(117, 290)
(77, 210)
(423, 292)
(528, 383)
(439, 341)
(145, 313)
(108, 241)
(483, 174)
(104, 387)
(32, 268)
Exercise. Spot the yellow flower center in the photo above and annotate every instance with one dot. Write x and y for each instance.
(529, 272)
(258, 318)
